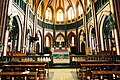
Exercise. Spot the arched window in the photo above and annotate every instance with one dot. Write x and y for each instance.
(31, 4)
(73, 40)
(70, 13)
(47, 41)
(60, 15)
(39, 11)
(48, 14)
(80, 10)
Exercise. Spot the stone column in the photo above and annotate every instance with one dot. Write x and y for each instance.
(95, 26)
(3, 22)
(116, 6)
(24, 30)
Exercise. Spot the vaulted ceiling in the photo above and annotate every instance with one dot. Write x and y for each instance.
(64, 4)
(60, 4)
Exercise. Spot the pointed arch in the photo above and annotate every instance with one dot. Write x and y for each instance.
(60, 34)
(81, 41)
(48, 39)
(39, 42)
(92, 38)
(60, 40)
(108, 34)
(71, 39)
(60, 15)
(49, 13)
(70, 13)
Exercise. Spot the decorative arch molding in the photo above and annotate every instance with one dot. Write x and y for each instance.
(18, 38)
(20, 31)
(103, 13)
(16, 13)
(116, 45)
(19, 22)
(49, 34)
(71, 34)
(101, 32)
(59, 34)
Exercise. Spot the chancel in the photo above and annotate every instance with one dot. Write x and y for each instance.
(59, 40)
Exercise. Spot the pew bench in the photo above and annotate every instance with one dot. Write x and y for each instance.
(21, 68)
(102, 75)
(18, 75)
(85, 69)
(15, 67)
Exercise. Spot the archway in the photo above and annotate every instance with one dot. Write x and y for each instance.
(108, 34)
(28, 41)
(81, 42)
(83, 48)
(14, 40)
(92, 40)
(60, 40)
(39, 43)
(71, 39)
(48, 40)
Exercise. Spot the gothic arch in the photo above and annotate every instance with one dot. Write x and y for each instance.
(59, 34)
(39, 43)
(108, 34)
(70, 36)
(50, 40)
(81, 41)
(17, 26)
(92, 39)
(101, 31)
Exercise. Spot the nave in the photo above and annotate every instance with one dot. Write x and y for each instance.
(62, 74)
(38, 37)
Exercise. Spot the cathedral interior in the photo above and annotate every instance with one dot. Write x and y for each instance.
(55, 34)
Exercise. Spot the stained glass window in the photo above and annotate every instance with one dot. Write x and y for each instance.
(60, 15)
(31, 4)
(80, 10)
(72, 41)
(70, 13)
(39, 11)
(48, 14)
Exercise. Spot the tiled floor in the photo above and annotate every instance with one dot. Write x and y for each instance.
(62, 74)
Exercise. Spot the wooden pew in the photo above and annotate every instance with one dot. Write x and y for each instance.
(32, 66)
(79, 62)
(86, 69)
(12, 75)
(108, 73)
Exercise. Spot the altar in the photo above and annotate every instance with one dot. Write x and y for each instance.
(60, 55)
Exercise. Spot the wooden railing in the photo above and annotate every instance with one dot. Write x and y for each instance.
(111, 58)
(26, 58)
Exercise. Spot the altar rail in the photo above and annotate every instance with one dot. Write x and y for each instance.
(111, 58)
(48, 59)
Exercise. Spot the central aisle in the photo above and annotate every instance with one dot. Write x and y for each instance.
(62, 74)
